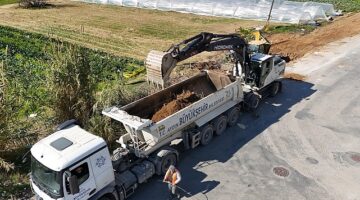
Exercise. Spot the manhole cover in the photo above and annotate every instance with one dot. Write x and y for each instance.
(355, 157)
(281, 171)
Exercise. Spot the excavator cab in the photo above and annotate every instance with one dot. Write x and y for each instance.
(260, 44)
(265, 69)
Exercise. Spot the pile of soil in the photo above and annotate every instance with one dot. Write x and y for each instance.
(210, 65)
(181, 101)
(294, 76)
(297, 45)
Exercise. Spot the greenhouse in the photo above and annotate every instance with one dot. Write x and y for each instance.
(283, 11)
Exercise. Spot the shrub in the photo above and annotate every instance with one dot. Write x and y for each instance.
(71, 83)
(33, 3)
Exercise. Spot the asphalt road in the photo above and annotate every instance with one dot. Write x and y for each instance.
(303, 145)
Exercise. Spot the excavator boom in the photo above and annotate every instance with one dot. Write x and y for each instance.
(160, 64)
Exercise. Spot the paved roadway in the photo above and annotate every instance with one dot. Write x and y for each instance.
(311, 131)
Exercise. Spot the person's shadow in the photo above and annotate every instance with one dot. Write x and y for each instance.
(223, 147)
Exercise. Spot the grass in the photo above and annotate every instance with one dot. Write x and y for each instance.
(293, 28)
(344, 5)
(130, 32)
(14, 184)
(122, 31)
(5, 2)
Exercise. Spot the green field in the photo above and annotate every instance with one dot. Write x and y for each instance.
(5, 2)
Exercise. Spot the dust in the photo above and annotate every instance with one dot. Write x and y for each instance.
(182, 100)
(294, 76)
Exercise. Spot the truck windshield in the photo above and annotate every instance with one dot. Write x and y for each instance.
(47, 180)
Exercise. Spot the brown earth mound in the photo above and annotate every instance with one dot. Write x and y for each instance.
(182, 100)
(207, 65)
(294, 76)
(297, 45)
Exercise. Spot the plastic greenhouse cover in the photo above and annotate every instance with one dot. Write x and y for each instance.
(283, 11)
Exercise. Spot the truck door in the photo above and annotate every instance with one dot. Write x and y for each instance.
(86, 181)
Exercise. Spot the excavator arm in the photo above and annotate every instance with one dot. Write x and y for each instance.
(160, 64)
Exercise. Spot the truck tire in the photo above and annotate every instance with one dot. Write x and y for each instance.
(252, 101)
(275, 88)
(167, 160)
(207, 133)
(220, 124)
(233, 116)
(121, 193)
(107, 197)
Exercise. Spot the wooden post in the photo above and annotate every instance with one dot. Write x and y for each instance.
(269, 16)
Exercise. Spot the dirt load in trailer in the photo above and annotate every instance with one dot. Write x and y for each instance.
(160, 118)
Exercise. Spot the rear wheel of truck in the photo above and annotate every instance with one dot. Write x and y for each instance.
(275, 88)
(169, 159)
(233, 116)
(207, 133)
(220, 124)
(107, 197)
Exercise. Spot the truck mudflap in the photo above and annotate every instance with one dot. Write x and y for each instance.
(122, 116)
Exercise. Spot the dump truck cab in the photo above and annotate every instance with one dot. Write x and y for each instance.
(71, 164)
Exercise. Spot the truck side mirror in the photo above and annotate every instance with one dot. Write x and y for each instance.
(73, 184)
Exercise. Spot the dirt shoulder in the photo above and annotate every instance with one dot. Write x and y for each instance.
(296, 45)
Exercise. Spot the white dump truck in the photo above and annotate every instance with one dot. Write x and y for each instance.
(75, 164)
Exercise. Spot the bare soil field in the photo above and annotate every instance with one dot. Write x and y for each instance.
(118, 30)
(297, 45)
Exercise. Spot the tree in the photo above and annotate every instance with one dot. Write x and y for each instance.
(33, 3)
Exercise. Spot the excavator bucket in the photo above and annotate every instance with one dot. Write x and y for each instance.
(158, 67)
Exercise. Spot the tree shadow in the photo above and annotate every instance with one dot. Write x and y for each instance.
(223, 147)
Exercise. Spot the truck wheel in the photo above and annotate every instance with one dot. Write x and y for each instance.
(252, 101)
(107, 197)
(206, 134)
(220, 125)
(169, 159)
(233, 116)
(121, 193)
(275, 89)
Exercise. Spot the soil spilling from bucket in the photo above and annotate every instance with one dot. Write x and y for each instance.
(181, 101)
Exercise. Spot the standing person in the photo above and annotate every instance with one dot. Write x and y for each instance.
(172, 177)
